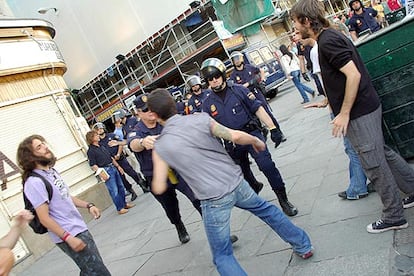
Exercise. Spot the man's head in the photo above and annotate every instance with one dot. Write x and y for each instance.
(100, 129)
(33, 152)
(238, 60)
(162, 104)
(309, 18)
(214, 72)
(141, 109)
(194, 83)
(92, 137)
(356, 5)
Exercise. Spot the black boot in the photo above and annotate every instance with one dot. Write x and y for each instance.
(182, 232)
(133, 194)
(287, 207)
(143, 184)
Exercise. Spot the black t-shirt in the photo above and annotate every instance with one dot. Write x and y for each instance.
(335, 51)
(99, 156)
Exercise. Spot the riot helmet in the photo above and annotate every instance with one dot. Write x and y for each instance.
(98, 126)
(352, 1)
(237, 58)
(214, 68)
(193, 81)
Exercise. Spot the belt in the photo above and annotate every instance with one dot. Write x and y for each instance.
(109, 165)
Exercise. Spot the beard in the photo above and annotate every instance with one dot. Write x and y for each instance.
(46, 161)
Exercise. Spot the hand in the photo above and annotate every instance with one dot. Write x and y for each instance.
(23, 218)
(113, 143)
(276, 136)
(121, 170)
(316, 104)
(149, 141)
(306, 77)
(95, 212)
(340, 123)
(75, 243)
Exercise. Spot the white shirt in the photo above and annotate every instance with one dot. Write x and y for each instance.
(315, 59)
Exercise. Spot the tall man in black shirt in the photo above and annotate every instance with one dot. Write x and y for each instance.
(357, 111)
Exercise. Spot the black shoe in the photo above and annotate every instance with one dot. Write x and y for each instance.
(233, 238)
(343, 195)
(370, 187)
(145, 189)
(288, 208)
(182, 232)
(258, 187)
(133, 195)
(380, 226)
(408, 202)
(283, 138)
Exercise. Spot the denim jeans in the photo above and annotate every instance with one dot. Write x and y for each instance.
(300, 86)
(88, 260)
(216, 219)
(357, 178)
(115, 187)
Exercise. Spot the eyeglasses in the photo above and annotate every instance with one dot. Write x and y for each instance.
(215, 76)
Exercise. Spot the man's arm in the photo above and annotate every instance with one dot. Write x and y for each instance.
(353, 35)
(93, 210)
(160, 174)
(265, 118)
(353, 78)
(20, 221)
(236, 136)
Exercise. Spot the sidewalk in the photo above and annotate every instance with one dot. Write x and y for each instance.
(314, 167)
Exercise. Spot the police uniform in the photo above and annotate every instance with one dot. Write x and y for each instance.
(248, 73)
(130, 122)
(123, 162)
(365, 20)
(168, 199)
(236, 112)
(195, 103)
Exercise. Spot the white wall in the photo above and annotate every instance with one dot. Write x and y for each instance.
(91, 33)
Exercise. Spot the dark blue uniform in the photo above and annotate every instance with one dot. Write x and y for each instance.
(123, 162)
(195, 103)
(168, 199)
(248, 73)
(236, 112)
(129, 125)
(365, 20)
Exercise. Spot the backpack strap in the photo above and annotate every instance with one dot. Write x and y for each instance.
(48, 186)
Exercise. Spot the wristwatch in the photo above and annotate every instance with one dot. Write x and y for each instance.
(90, 205)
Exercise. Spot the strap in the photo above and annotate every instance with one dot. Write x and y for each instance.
(46, 182)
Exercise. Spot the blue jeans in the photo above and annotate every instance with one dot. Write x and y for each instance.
(300, 86)
(216, 219)
(115, 187)
(357, 178)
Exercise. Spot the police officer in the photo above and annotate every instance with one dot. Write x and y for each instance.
(231, 106)
(126, 119)
(141, 141)
(198, 94)
(118, 154)
(252, 78)
(362, 19)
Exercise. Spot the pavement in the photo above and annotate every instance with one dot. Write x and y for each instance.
(314, 167)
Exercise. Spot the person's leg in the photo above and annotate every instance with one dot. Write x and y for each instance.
(357, 179)
(88, 260)
(401, 170)
(272, 216)
(133, 174)
(120, 194)
(267, 166)
(365, 135)
(295, 78)
(319, 86)
(183, 187)
(111, 185)
(216, 219)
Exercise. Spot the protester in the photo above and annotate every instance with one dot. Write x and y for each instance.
(59, 215)
(219, 183)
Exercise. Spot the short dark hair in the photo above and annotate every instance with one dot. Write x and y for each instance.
(314, 11)
(162, 103)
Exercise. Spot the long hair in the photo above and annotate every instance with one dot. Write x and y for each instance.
(285, 51)
(26, 160)
(312, 10)
(162, 103)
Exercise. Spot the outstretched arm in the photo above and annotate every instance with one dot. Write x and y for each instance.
(236, 136)
(160, 174)
(20, 221)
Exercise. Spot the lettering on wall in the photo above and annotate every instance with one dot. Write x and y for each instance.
(3, 175)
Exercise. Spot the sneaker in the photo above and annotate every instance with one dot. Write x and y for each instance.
(408, 202)
(307, 255)
(343, 195)
(380, 226)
